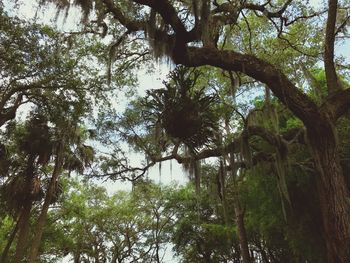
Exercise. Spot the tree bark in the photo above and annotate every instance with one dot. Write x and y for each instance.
(24, 223)
(333, 191)
(242, 234)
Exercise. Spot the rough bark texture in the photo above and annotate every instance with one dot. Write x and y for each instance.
(333, 192)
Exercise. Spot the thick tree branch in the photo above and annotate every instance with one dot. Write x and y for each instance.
(258, 69)
(170, 16)
(168, 13)
(263, 9)
(271, 138)
(10, 113)
(279, 141)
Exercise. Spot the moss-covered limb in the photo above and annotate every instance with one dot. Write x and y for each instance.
(168, 13)
(297, 101)
(279, 141)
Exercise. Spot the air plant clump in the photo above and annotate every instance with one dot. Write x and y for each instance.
(184, 111)
(18, 192)
(38, 139)
(190, 119)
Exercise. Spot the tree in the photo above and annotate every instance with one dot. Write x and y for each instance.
(40, 69)
(195, 33)
(97, 227)
(65, 159)
(35, 66)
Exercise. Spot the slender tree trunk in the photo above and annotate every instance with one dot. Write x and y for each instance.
(10, 240)
(43, 215)
(156, 235)
(24, 223)
(333, 192)
(157, 253)
(239, 216)
(23, 234)
(242, 234)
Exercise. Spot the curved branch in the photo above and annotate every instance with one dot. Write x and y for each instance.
(7, 114)
(168, 13)
(263, 9)
(280, 141)
(125, 21)
(302, 106)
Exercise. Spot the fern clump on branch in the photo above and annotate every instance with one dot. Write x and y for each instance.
(184, 111)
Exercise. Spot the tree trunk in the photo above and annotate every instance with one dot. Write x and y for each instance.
(43, 215)
(23, 234)
(24, 223)
(242, 234)
(333, 191)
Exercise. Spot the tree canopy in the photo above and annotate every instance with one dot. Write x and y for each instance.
(255, 108)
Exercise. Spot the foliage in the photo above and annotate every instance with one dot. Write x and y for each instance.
(122, 227)
(270, 167)
(185, 113)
